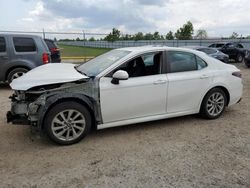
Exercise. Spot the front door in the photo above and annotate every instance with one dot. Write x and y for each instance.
(143, 94)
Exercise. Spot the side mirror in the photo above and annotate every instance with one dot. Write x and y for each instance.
(119, 75)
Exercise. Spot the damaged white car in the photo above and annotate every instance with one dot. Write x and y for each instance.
(123, 86)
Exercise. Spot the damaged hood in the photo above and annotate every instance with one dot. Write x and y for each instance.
(52, 73)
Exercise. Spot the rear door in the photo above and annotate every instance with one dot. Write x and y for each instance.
(188, 80)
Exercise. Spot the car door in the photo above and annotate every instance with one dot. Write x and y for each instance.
(140, 96)
(4, 57)
(188, 80)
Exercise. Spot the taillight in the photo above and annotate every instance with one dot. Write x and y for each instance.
(45, 58)
(54, 50)
(237, 74)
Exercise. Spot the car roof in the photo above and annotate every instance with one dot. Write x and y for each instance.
(194, 47)
(49, 40)
(18, 35)
(155, 48)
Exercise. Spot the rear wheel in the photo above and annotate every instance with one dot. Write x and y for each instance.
(16, 73)
(240, 58)
(67, 123)
(213, 104)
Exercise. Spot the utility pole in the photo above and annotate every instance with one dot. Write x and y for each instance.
(83, 34)
(43, 33)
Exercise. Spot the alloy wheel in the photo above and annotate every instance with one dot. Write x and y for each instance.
(215, 104)
(68, 125)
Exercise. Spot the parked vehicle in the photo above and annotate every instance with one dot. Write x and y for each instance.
(21, 53)
(123, 86)
(213, 52)
(54, 51)
(247, 58)
(235, 51)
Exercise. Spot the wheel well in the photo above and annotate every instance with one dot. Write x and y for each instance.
(12, 68)
(225, 91)
(93, 127)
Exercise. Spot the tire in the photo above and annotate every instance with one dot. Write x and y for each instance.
(213, 104)
(240, 58)
(247, 64)
(65, 130)
(15, 73)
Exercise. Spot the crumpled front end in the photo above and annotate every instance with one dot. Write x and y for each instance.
(31, 106)
(24, 108)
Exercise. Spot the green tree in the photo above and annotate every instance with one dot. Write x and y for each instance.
(185, 32)
(113, 36)
(148, 36)
(156, 36)
(92, 39)
(78, 39)
(170, 35)
(139, 36)
(201, 34)
(234, 35)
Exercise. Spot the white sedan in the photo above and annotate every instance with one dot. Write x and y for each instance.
(123, 86)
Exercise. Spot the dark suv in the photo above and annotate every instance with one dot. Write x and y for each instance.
(21, 53)
(54, 50)
(235, 51)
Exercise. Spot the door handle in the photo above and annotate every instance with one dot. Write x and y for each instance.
(160, 82)
(204, 76)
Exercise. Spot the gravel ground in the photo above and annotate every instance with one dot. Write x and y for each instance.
(178, 152)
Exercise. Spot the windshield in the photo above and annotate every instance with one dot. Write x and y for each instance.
(102, 62)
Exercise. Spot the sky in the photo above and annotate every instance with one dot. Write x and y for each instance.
(220, 18)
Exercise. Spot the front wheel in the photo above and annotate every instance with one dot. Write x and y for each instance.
(67, 123)
(213, 104)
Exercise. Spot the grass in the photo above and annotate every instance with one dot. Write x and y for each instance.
(77, 51)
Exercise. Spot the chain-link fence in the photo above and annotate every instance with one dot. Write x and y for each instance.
(170, 43)
(82, 39)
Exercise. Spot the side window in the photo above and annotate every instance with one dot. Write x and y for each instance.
(181, 61)
(240, 46)
(23, 44)
(144, 65)
(200, 63)
(2, 44)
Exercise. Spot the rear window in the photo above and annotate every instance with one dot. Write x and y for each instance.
(219, 45)
(207, 50)
(50, 44)
(23, 44)
(2, 44)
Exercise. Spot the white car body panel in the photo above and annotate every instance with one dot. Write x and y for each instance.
(51, 73)
(133, 98)
(186, 89)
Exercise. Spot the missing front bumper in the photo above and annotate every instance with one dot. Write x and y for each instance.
(17, 119)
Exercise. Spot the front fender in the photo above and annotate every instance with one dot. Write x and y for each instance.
(55, 98)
